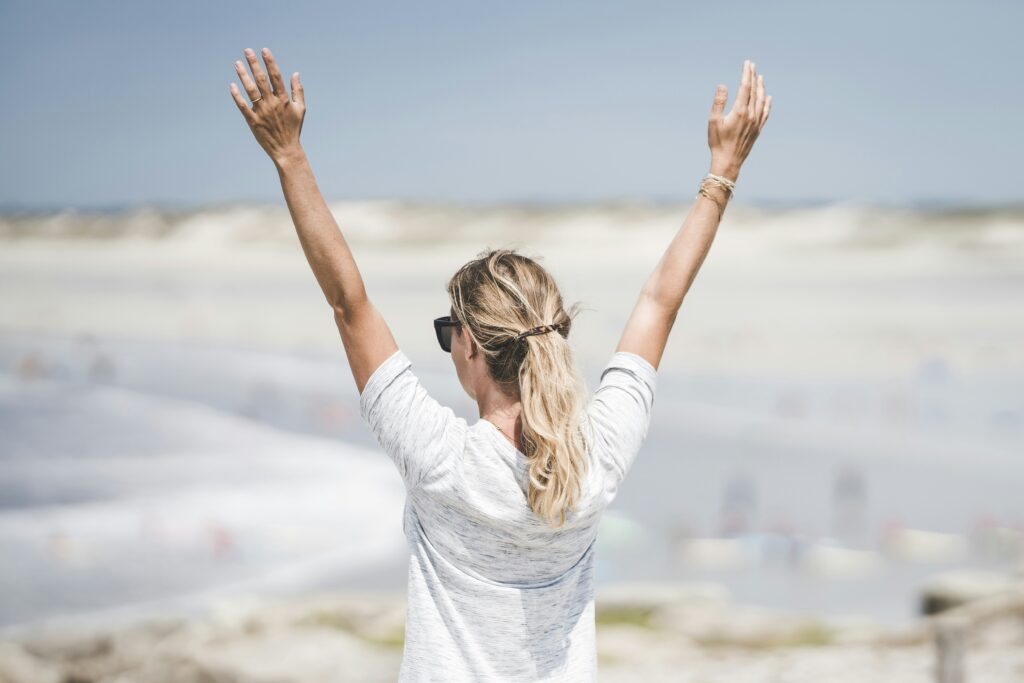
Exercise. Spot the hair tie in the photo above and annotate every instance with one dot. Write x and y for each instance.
(540, 329)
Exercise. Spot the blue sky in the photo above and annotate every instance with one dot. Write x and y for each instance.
(113, 103)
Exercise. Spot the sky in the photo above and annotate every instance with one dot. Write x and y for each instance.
(114, 104)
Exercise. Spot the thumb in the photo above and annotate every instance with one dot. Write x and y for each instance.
(297, 93)
(718, 105)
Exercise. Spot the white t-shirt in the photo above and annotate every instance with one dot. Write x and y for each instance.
(494, 592)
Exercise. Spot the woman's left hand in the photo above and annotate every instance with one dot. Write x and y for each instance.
(274, 118)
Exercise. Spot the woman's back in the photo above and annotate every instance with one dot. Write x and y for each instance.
(496, 592)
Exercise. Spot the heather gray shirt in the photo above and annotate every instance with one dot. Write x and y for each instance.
(494, 592)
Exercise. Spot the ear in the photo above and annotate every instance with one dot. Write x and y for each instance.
(470, 345)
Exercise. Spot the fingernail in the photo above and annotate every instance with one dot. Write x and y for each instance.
(266, 50)
(249, 51)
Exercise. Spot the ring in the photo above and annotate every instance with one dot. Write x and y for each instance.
(257, 99)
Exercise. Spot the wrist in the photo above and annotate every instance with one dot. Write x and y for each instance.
(726, 169)
(290, 158)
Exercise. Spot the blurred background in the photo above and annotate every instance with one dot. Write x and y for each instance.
(840, 411)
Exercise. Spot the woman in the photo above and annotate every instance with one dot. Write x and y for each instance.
(501, 515)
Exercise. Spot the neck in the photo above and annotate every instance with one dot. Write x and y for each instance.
(508, 413)
(505, 414)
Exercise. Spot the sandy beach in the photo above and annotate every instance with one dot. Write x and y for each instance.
(651, 632)
(839, 419)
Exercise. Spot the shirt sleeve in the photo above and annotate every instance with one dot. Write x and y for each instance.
(419, 434)
(620, 412)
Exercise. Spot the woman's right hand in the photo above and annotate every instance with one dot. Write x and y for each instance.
(732, 136)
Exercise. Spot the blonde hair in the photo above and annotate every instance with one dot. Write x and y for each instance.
(496, 297)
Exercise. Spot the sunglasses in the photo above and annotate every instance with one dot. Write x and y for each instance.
(443, 328)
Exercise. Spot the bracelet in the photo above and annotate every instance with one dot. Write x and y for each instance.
(721, 180)
(704, 193)
(706, 181)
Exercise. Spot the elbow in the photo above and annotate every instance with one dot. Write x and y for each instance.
(664, 306)
(347, 306)
(348, 313)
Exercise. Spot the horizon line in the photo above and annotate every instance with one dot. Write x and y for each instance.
(917, 204)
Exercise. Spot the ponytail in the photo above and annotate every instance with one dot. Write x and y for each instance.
(551, 393)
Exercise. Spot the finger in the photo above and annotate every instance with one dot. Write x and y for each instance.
(759, 101)
(258, 74)
(767, 109)
(243, 106)
(250, 88)
(718, 104)
(298, 95)
(742, 95)
(275, 73)
(752, 98)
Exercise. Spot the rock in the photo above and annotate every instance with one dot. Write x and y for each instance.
(954, 588)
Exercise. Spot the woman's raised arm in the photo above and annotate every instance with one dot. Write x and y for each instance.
(730, 138)
(275, 119)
